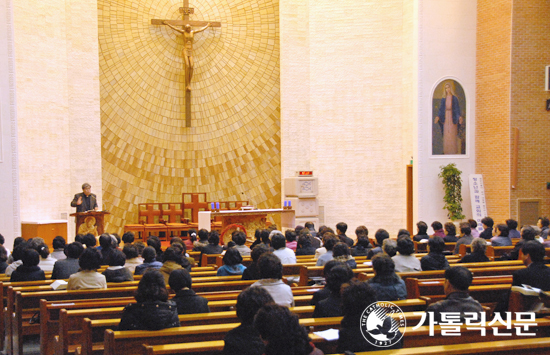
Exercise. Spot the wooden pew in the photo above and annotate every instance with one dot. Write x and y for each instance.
(532, 346)
(50, 311)
(425, 287)
(494, 253)
(71, 335)
(127, 342)
(25, 303)
(92, 328)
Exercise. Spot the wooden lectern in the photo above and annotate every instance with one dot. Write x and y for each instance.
(96, 221)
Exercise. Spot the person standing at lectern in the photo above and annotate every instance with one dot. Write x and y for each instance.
(86, 200)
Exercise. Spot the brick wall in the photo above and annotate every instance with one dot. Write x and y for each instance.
(493, 78)
(530, 55)
(511, 57)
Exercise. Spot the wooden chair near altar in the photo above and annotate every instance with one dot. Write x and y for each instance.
(152, 213)
(191, 205)
(172, 214)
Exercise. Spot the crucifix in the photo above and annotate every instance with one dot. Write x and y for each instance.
(188, 38)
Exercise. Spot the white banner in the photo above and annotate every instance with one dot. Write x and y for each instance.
(477, 195)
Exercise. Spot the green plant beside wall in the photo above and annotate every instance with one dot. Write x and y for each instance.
(452, 184)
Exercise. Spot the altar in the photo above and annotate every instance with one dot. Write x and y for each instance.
(250, 220)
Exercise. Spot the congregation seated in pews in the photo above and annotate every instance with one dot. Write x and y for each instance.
(395, 263)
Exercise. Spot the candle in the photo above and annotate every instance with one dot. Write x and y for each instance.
(289, 203)
(217, 205)
(212, 206)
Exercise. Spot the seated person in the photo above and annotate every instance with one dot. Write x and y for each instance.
(356, 297)
(450, 236)
(257, 238)
(245, 339)
(361, 247)
(89, 240)
(501, 238)
(527, 233)
(341, 229)
(405, 260)
(203, 240)
(271, 272)
(387, 284)
(187, 261)
(154, 241)
(457, 281)
(187, 301)
(332, 305)
(324, 292)
(291, 237)
(422, 231)
(149, 261)
(240, 239)
(380, 236)
(46, 261)
(252, 272)
(465, 236)
(152, 310)
(473, 226)
(487, 223)
(329, 240)
(435, 260)
(213, 246)
(479, 247)
(64, 268)
(3, 259)
(438, 229)
(282, 333)
(128, 238)
(88, 277)
(132, 257)
(232, 263)
(513, 232)
(537, 274)
(116, 272)
(29, 271)
(544, 224)
(106, 244)
(389, 246)
(17, 255)
(58, 252)
(323, 232)
(172, 260)
(287, 256)
(341, 252)
(305, 245)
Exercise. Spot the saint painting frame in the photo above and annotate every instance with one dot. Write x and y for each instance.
(449, 119)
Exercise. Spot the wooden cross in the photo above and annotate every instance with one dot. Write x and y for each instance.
(187, 47)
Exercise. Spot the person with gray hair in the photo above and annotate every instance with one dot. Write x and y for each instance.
(86, 200)
(389, 246)
(479, 246)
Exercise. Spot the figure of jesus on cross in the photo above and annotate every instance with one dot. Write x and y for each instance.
(188, 38)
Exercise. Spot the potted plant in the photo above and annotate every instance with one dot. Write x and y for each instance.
(453, 191)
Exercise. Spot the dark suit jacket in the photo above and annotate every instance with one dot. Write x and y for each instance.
(243, 340)
(487, 233)
(81, 208)
(329, 307)
(62, 269)
(536, 275)
(188, 302)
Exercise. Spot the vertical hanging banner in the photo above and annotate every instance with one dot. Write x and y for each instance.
(477, 196)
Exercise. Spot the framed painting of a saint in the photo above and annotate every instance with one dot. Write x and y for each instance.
(448, 119)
